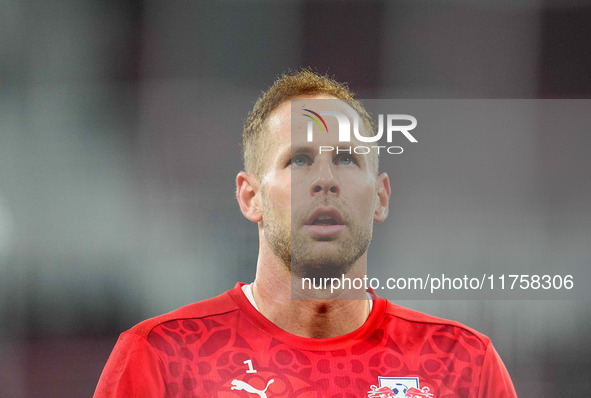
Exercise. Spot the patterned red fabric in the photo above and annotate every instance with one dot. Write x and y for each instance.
(223, 347)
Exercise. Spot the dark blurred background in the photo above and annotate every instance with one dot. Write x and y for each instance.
(120, 131)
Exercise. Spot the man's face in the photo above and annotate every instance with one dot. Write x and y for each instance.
(318, 208)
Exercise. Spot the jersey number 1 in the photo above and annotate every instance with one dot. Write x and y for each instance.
(250, 368)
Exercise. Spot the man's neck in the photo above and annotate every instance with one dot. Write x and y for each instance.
(314, 318)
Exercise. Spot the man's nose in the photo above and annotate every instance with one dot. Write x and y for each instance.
(325, 181)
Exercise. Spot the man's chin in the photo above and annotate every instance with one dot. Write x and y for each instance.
(319, 269)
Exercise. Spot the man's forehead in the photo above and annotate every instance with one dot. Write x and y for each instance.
(280, 117)
(281, 138)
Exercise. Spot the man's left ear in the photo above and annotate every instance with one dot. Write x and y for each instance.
(383, 199)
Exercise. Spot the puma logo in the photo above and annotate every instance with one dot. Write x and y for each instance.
(241, 385)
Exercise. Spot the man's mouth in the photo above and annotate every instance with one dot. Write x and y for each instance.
(325, 222)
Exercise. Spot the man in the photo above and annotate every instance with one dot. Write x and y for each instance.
(314, 210)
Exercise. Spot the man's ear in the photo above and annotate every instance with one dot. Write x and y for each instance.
(383, 199)
(247, 194)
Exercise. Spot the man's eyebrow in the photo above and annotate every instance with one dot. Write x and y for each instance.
(301, 149)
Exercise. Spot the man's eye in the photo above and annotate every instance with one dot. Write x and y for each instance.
(299, 160)
(345, 159)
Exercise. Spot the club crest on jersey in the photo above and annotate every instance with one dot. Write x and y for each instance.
(398, 387)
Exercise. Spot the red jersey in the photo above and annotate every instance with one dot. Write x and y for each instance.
(223, 347)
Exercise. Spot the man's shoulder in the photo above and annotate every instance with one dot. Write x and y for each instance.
(203, 310)
(434, 325)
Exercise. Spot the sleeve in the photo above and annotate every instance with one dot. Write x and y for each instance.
(132, 370)
(494, 379)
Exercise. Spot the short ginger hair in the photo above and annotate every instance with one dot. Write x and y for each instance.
(286, 87)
